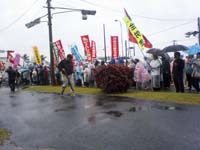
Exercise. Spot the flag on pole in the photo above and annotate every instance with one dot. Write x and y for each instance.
(76, 54)
(55, 53)
(115, 47)
(37, 55)
(17, 60)
(10, 56)
(86, 44)
(94, 49)
(135, 35)
(60, 50)
(2, 66)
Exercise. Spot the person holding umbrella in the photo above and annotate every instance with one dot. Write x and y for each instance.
(196, 73)
(155, 65)
(177, 72)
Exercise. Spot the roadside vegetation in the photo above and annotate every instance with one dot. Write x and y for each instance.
(168, 96)
(4, 135)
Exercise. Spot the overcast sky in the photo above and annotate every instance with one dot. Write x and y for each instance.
(159, 20)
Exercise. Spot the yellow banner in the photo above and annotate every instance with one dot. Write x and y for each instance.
(37, 55)
(135, 32)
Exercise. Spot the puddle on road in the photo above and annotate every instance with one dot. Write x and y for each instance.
(139, 108)
(98, 117)
(31, 148)
(114, 113)
(44, 99)
(109, 105)
(167, 107)
(153, 107)
(13, 105)
(132, 109)
(65, 108)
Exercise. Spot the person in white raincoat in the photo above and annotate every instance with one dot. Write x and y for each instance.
(155, 65)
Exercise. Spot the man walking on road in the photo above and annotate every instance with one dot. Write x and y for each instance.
(11, 78)
(66, 67)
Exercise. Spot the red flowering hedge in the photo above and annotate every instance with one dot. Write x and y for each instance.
(113, 78)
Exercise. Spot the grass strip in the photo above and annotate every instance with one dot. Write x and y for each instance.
(166, 96)
(4, 134)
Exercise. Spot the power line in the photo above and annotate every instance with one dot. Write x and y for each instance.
(180, 40)
(189, 39)
(101, 6)
(67, 5)
(170, 28)
(139, 16)
(17, 19)
(161, 19)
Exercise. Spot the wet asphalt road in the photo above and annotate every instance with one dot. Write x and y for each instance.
(40, 121)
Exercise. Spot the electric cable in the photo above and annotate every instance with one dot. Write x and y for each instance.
(17, 19)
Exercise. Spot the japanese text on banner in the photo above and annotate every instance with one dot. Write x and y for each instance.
(37, 55)
(135, 32)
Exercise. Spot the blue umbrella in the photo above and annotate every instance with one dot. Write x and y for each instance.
(193, 50)
(23, 69)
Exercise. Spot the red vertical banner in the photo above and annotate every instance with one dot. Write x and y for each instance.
(2, 66)
(60, 49)
(115, 46)
(10, 57)
(86, 44)
(94, 50)
(16, 60)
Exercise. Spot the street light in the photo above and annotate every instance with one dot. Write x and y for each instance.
(37, 21)
(121, 36)
(33, 23)
(194, 33)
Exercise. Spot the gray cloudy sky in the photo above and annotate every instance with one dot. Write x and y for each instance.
(159, 20)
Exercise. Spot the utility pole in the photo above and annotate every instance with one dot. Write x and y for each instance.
(104, 33)
(121, 37)
(126, 48)
(51, 42)
(174, 42)
(199, 29)
(194, 33)
(84, 13)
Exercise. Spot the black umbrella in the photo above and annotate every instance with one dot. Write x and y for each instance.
(175, 48)
(155, 51)
(158, 52)
(166, 56)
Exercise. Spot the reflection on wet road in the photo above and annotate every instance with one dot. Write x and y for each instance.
(54, 122)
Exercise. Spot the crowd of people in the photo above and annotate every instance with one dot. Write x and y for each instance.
(156, 73)
(161, 73)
